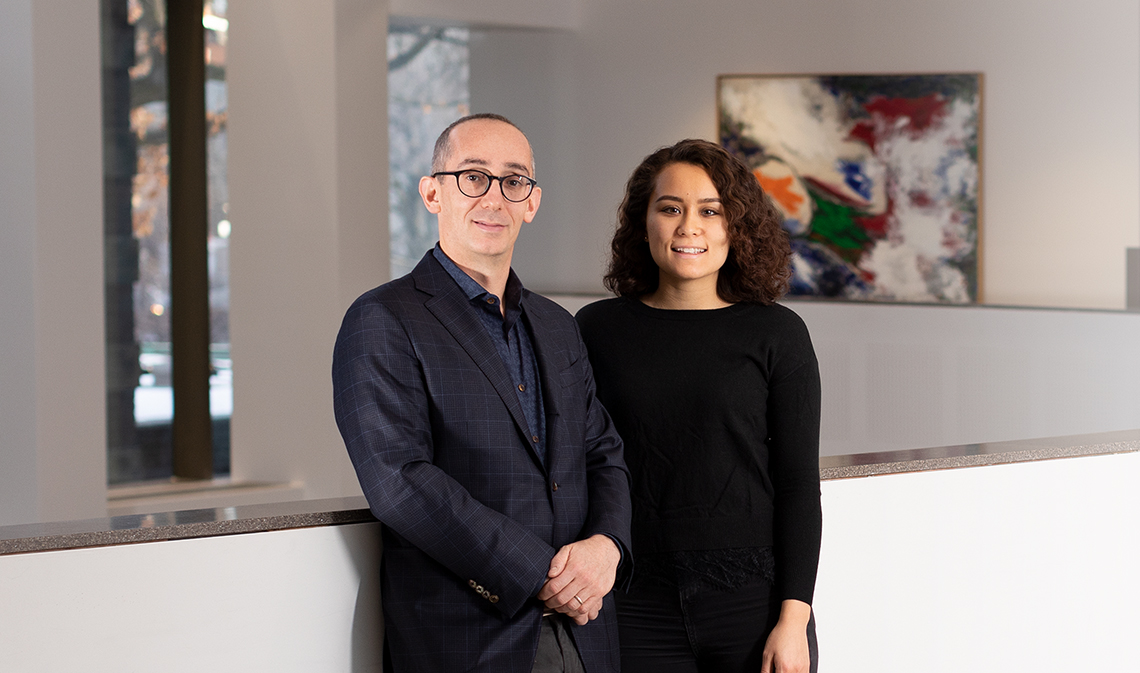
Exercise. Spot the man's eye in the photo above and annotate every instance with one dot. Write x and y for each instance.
(473, 177)
(514, 181)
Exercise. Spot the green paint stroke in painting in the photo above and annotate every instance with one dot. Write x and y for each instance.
(835, 225)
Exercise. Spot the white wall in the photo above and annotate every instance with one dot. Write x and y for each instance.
(17, 267)
(52, 441)
(899, 377)
(1061, 141)
(517, 13)
(294, 600)
(1021, 567)
(308, 201)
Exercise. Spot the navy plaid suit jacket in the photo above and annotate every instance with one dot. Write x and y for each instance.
(471, 516)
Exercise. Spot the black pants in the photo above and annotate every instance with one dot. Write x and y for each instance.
(666, 630)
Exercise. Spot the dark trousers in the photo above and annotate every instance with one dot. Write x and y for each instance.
(556, 650)
(666, 630)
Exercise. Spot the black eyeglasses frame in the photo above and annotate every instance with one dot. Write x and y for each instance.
(530, 181)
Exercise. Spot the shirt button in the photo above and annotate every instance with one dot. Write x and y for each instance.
(522, 388)
(534, 438)
(554, 486)
(490, 300)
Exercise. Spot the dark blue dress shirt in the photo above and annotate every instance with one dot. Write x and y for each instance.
(512, 340)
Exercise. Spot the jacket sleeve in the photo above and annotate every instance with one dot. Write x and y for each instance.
(382, 410)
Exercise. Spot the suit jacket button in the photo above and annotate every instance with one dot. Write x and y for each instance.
(472, 583)
(479, 590)
(493, 598)
(554, 486)
(486, 594)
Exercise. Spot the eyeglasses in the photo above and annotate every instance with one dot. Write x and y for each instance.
(475, 183)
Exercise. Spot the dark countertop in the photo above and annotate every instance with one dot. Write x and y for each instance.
(975, 455)
(182, 525)
(338, 511)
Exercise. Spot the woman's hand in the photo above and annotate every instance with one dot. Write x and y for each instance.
(787, 648)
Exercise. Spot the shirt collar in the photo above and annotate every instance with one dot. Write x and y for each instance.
(474, 290)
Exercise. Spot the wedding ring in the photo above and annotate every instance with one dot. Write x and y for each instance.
(579, 601)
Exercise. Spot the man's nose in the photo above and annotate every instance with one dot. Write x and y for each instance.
(493, 197)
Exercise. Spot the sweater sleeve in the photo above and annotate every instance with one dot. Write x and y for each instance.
(793, 443)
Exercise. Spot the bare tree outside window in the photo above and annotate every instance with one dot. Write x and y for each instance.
(428, 88)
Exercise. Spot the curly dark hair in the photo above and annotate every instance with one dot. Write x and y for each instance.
(759, 257)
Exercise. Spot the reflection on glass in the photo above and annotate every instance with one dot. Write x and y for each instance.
(428, 88)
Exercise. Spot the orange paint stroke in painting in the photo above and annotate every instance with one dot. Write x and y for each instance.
(779, 190)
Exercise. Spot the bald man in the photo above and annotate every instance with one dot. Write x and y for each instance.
(467, 406)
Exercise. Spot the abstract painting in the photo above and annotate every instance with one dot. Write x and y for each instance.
(877, 177)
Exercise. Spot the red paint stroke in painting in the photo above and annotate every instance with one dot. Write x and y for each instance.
(920, 199)
(864, 131)
(832, 194)
(921, 113)
(875, 225)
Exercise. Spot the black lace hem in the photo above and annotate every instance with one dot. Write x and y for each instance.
(724, 569)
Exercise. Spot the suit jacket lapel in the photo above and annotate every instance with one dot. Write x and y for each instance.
(548, 363)
(549, 370)
(453, 310)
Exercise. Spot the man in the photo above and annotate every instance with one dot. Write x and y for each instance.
(467, 405)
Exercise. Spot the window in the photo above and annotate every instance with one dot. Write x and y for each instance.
(137, 228)
(428, 88)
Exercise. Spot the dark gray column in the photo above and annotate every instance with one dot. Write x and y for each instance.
(189, 272)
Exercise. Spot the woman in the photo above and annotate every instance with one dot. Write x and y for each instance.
(715, 390)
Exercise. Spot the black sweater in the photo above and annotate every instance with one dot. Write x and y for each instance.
(719, 412)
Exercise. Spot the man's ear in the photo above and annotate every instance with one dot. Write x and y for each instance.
(532, 203)
(429, 192)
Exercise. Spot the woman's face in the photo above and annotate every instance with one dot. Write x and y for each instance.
(687, 233)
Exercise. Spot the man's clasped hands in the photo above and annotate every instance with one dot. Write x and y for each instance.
(580, 575)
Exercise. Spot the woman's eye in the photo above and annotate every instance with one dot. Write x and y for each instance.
(709, 212)
(672, 210)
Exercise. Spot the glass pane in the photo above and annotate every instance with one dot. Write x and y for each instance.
(137, 249)
(428, 88)
(136, 224)
(221, 379)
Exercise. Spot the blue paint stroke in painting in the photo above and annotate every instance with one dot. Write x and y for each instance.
(856, 177)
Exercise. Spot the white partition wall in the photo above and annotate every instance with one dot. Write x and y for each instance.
(293, 601)
(1020, 567)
